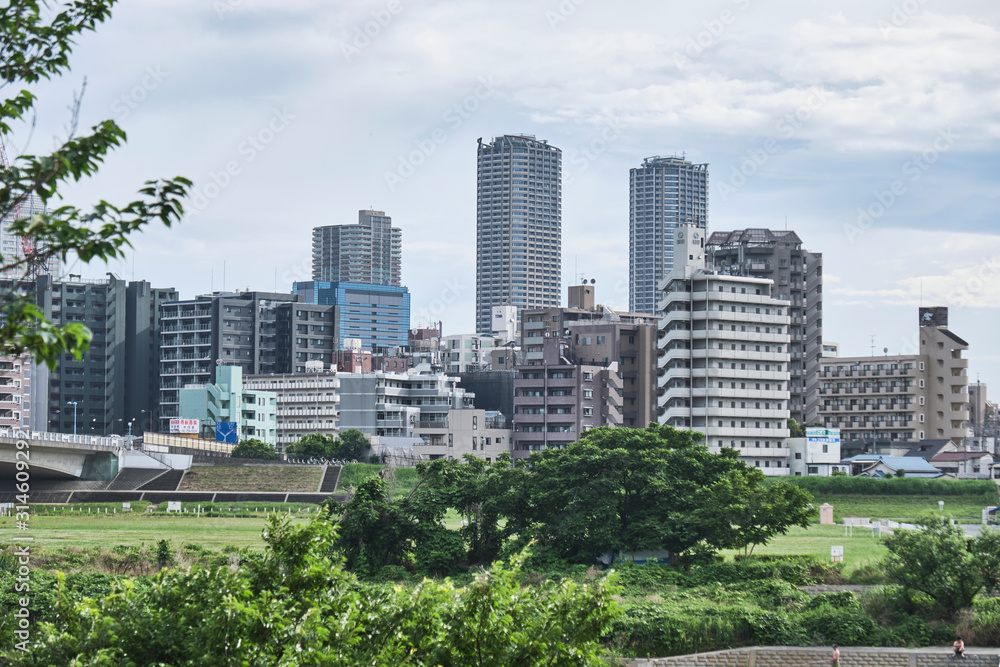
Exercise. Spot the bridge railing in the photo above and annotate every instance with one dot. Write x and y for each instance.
(66, 439)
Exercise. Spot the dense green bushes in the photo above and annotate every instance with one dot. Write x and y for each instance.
(906, 486)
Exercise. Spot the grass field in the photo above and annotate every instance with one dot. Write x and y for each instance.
(816, 541)
(252, 478)
(100, 530)
(964, 509)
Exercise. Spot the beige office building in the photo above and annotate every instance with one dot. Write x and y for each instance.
(901, 397)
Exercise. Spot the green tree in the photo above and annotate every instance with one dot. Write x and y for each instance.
(352, 444)
(296, 605)
(621, 489)
(488, 496)
(36, 43)
(757, 513)
(315, 446)
(940, 561)
(254, 449)
(795, 429)
(374, 531)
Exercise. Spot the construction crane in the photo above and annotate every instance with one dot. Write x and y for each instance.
(28, 247)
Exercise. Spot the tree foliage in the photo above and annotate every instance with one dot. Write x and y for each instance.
(36, 40)
(252, 448)
(490, 498)
(623, 489)
(940, 561)
(296, 605)
(350, 445)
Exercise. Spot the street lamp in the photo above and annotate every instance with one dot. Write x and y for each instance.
(73, 403)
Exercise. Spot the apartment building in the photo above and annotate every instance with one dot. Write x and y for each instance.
(395, 404)
(723, 344)
(369, 252)
(518, 225)
(230, 408)
(306, 403)
(797, 275)
(906, 397)
(482, 433)
(598, 335)
(559, 399)
(663, 193)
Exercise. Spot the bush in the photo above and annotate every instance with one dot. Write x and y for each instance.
(440, 553)
(903, 486)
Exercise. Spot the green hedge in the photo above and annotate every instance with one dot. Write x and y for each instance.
(905, 486)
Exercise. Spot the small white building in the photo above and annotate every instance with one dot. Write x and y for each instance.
(482, 433)
(816, 454)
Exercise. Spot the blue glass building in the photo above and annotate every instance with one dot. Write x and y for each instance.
(378, 315)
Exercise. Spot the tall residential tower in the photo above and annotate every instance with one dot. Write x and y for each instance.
(369, 252)
(518, 226)
(663, 193)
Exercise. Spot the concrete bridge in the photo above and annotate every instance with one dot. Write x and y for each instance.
(59, 455)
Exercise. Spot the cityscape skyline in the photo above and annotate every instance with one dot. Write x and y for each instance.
(823, 146)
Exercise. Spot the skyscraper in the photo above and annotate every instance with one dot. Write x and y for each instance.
(368, 252)
(518, 225)
(663, 193)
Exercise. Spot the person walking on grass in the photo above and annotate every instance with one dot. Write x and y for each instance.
(959, 647)
(835, 658)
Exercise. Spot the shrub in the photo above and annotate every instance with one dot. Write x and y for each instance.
(440, 553)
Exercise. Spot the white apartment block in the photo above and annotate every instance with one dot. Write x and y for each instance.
(307, 403)
(724, 357)
(465, 353)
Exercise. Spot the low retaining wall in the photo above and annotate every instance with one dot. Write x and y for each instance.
(790, 656)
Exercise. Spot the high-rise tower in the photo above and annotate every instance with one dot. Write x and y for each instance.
(518, 225)
(663, 193)
(369, 252)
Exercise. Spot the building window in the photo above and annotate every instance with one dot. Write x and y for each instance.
(798, 456)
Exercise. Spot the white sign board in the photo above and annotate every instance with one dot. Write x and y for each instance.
(184, 426)
(823, 435)
(173, 506)
(837, 554)
(126, 507)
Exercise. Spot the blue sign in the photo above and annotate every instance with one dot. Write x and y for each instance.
(227, 432)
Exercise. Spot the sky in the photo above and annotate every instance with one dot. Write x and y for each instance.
(869, 128)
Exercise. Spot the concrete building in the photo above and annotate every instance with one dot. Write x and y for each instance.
(262, 332)
(831, 349)
(306, 403)
(797, 275)
(984, 420)
(901, 397)
(518, 226)
(143, 346)
(228, 400)
(598, 336)
(559, 399)
(484, 434)
(377, 315)
(88, 395)
(466, 353)
(816, 454)
(395, 404)
(22, 384)
(369, 252)
(723, 343)
(663, 193)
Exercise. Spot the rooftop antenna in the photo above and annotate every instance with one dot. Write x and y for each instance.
(873, 345)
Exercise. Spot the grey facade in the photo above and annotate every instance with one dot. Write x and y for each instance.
(558, 400)
(96, 383)
(369, 252)
(518, 226)
(663, 192)
(798, 278)
(263, 332)
(142, 350)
